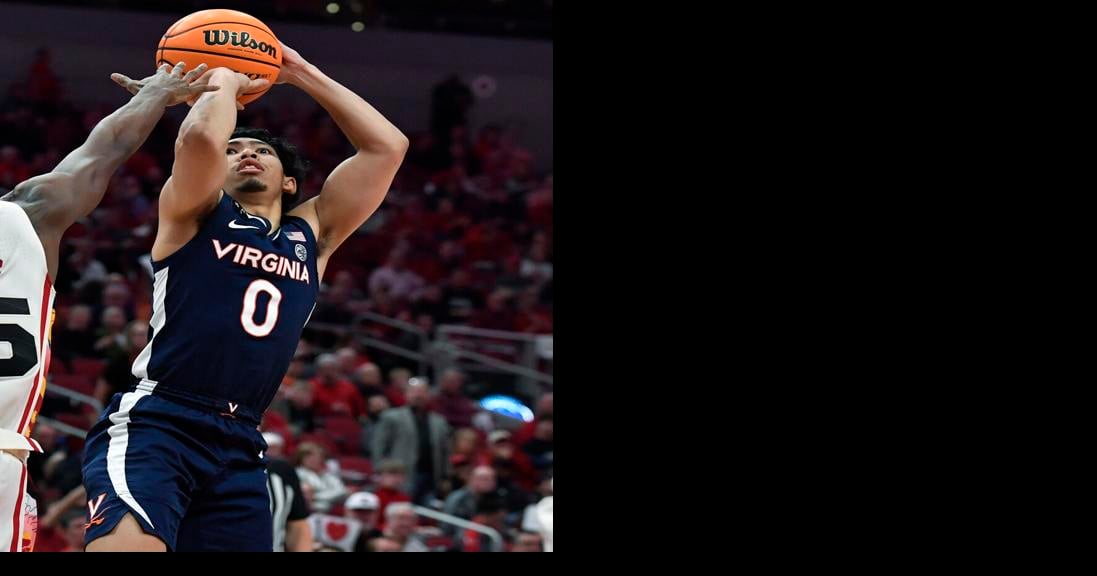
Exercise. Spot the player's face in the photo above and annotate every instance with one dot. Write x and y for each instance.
(254, 166)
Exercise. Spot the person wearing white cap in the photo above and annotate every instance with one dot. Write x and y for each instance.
(363, 506)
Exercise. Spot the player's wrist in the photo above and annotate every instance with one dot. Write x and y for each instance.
(156, 94)
(223, 77)
(303, 75)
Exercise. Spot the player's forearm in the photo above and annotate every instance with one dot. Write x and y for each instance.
(361, 123)
(212, 119)
(129, 126)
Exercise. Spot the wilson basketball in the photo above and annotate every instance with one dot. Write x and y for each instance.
(224, 38)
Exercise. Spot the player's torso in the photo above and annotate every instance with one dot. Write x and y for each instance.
(229, 308)
(26, 308)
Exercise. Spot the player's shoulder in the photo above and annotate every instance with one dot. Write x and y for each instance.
(306, 211)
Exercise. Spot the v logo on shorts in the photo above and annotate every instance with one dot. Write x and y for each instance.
(93, 510)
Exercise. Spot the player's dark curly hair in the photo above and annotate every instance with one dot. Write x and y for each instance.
(293, 164)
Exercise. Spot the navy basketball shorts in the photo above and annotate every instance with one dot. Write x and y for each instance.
(191, 477)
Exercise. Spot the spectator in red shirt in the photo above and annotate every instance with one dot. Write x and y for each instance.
(398, 386)
(451, 403)
(499, 313)
(391, 475)
(333, 394)
(490, 512)
(526, 432)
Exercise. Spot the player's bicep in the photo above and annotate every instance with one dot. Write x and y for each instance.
(89, 169)
(49, 200)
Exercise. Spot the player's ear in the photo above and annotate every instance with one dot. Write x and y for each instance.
(289, 185)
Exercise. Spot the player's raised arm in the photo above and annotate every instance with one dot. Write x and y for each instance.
(200, 163)
(356, 187)
(76, 186)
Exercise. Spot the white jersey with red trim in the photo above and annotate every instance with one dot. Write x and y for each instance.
(26, 317)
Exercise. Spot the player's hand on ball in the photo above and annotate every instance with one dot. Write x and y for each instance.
(242, 83)
(249, 85)
(180, 85)
(292, 66)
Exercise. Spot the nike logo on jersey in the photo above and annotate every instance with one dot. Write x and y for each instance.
(236, 226)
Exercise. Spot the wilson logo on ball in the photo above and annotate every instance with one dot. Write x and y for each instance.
(243, 39)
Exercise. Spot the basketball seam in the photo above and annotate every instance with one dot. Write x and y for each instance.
(173, 27)
(211, 53)
(180, 33)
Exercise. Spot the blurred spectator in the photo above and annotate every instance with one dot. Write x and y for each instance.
(117, 294)
(462, 503)
(489, 512)
(394, 278)
(112, 338)
(400, 524)
(376, 406)
(541, 411)
(466, 442)
(460, 299)
(539, 448)
(532, 317)
(418, 438)
(499, 313)
(364, 507)
(527, 542)
(535, 265)
(398, 385)
(514, 473)
(451, 403)
(350, 360)
(384, 545)
(392, 475)
(367, 378)
(332, 394)
(76, 338)
(312, 469)
(118, 376)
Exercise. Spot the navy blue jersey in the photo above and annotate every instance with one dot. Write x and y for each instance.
(228, 311)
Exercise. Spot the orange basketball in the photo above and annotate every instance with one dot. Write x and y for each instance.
(224, 38)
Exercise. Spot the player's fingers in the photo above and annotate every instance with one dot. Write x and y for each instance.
(257, 84)
(178, 70)
(195, 73)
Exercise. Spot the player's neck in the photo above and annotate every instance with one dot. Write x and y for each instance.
(272, 212)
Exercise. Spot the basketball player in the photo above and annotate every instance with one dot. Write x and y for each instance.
(177, 463)
(33, 217)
